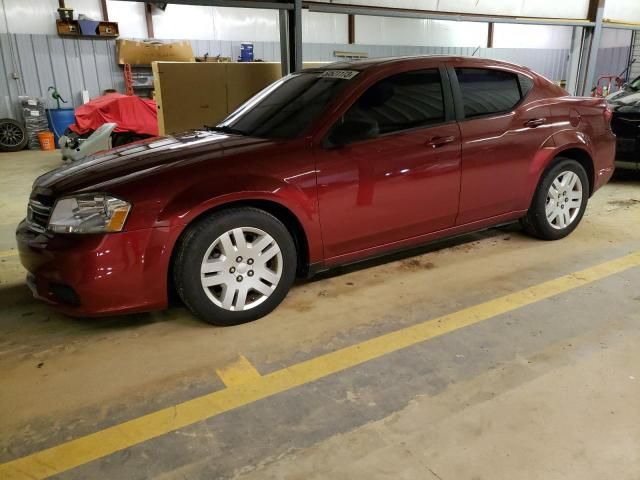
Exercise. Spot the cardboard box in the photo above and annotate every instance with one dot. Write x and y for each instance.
(191, 95)
(246, 79)
(145, 53)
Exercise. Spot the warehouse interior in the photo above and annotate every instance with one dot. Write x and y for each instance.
(481, 354)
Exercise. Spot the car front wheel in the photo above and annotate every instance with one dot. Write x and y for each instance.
(234, 266)
(559, 202)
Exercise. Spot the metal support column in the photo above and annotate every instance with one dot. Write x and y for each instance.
(590, 48)
(351, 19)
(490, 35)
(291, 38)
(148, 16)
(284, 43)
(295, 36)
(573, 69)
(634, 54)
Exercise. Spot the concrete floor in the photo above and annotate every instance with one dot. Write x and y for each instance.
(549, 390)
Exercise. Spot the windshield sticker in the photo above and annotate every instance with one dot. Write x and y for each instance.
(341, 74)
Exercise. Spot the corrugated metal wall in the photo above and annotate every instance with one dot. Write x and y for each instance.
(70, 64)
(73, 65)
(612, 61)
(550, 63)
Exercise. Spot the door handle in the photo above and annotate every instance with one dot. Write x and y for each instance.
(436, 142)
(535, 122)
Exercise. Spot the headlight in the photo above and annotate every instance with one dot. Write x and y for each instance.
(89, 213)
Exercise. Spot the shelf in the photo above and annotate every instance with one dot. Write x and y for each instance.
(74, 28)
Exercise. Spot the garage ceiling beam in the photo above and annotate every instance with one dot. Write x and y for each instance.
(623, 26)
(269, 5)
(424, 14)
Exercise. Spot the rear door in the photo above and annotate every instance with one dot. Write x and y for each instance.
(501, 133)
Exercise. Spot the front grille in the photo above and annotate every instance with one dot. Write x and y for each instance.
(626, 125)
(64, 293)
(38, 214)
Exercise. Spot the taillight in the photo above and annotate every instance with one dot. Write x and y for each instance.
(608, 114)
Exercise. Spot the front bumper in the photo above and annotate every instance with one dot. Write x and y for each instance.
(90, 275)
(627, 130)
(628, 153)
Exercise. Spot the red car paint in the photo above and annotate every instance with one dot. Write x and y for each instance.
(349, 203)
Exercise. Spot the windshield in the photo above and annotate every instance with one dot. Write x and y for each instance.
(286, 108)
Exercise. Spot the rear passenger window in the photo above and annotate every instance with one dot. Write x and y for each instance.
(400, 102)
(486, 92)
(526, 84)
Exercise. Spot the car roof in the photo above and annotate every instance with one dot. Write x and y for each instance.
(371, 63)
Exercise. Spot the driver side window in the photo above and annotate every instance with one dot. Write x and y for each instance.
(400, 102)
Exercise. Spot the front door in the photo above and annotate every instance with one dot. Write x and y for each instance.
(403, 179)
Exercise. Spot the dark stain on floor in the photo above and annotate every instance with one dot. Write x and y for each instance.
(414, 264)
(624, 203)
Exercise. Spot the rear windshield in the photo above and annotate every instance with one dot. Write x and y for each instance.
(288, 107)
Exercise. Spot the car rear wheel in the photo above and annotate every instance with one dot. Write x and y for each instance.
(559, 202)
(235, 266)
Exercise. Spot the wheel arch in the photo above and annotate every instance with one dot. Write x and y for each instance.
(580, 155)
(281, 212)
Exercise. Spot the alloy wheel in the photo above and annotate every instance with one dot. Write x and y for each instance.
(241, 268)
(564, 200)
(11, 135)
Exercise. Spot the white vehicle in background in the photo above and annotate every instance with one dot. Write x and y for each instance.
(74, 147)
(109, 121)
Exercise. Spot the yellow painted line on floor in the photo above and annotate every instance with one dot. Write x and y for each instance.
(8, 253)
(239, 372)
(91, 447)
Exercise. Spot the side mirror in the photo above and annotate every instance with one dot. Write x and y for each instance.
(353, 131)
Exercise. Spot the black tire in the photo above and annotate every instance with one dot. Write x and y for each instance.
(535, 222)
(13, 136)
(194, 244)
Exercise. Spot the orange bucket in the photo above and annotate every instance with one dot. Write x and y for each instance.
(47, 141)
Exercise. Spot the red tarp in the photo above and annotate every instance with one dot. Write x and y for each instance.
(131, 113)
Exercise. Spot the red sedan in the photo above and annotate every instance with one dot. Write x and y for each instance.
(323, 167)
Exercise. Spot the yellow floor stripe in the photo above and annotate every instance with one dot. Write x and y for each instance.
(105, 442)
(239, 372)
(8, 253)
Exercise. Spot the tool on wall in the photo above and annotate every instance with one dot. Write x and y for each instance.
(128, 79)
(56, 96)
(607, 84)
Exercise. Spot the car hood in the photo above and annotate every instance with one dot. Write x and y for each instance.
(624, 97)
(143, 157)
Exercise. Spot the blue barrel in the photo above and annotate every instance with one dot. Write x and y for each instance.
(59, 119)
